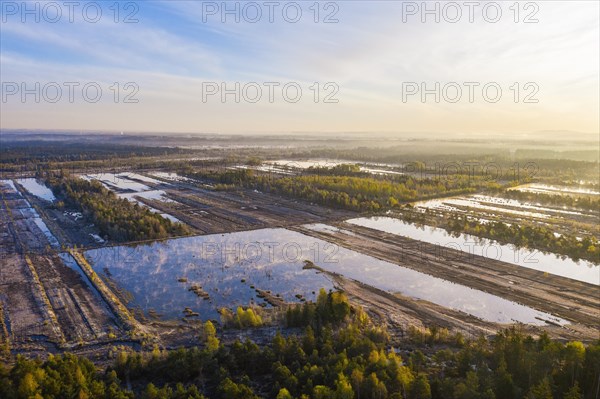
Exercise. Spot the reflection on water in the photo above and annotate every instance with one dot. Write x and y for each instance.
(137, 176)
(229, 268)
(159, 275)
(548, 189)
(37, 189)
(548, 263)
(42, 226)
(117, 182)
(156, 195)
(170, 176)
(497, 206)
(372, 168)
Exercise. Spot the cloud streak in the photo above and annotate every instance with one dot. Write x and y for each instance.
(370, 54)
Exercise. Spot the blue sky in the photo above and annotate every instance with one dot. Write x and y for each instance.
(369, 54)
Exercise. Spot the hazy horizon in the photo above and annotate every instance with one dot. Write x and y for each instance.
(571, 136)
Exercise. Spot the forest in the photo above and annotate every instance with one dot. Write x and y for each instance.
(341, 354)
(347, 192)
(116, 218)
(42, 151)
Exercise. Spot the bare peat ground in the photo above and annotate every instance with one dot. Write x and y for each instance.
(47, 305)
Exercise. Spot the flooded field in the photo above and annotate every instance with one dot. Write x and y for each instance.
(10, 188)
(27, 215)
(42, 226)
(118, 182)
(38, 189)
(551, 189)
(290, 167)
(158, 195)
(160, 277)
(488, 206)
(139, 177)
(254, 253)
(128, 186)
(547, 263)
(166, 277)
(269, 168)
(170, 176)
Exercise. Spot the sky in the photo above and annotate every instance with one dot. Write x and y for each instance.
(338, 66)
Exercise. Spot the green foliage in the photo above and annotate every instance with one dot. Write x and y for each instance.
(284, 394)
(210, 336)
(339, 187)
(116, 217)
(242, 318)
(330, 308)
(339, 361)
(420, 388)
(230, 390)
(574, 392)
(345, 169)
(66, 376)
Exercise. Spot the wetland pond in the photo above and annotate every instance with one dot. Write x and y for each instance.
(169, 276)
(495, 206)
(551, 189)
(38, 189)
(532, 259)
(125, 186)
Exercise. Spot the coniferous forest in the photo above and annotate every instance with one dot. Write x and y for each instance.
(340, 353)
(116, 218)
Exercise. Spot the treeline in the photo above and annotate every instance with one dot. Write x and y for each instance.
(115, 217)
(345, 169)
(551, 162)
(586, 202)
(346, 192)
(19, 152)
(526, 236)
(343, 359)
(362, 193)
